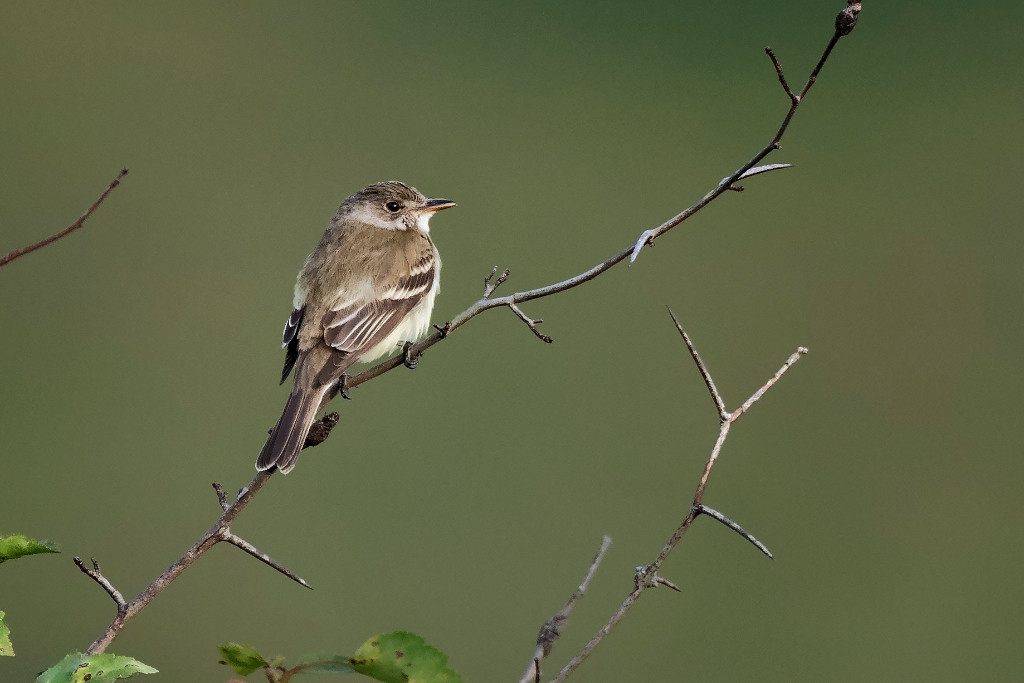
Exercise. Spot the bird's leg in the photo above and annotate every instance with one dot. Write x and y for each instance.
(342, 388)
(409, 358)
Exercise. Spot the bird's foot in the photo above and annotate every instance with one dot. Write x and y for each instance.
(343, 388)
(410, 359)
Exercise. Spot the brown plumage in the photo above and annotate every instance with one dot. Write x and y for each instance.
(368, 287)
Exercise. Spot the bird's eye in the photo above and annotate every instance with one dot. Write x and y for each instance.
(393, 207)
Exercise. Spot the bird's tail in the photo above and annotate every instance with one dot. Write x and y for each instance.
(285, 442)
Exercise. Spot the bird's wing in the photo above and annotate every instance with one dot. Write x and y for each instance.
(354, 327)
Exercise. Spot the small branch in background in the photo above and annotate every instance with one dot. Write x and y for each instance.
(552, 628)
(234, 540)
(647, 575)
(18, 253)
(98, 577)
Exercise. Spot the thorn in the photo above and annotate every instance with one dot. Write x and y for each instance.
(758, 170)
(665, 582)
(736, 188)
(234, 540)
(443, 330)
(714, 514)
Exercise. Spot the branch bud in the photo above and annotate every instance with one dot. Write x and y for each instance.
(846, 20)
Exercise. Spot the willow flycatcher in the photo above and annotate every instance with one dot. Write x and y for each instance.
(367, 288)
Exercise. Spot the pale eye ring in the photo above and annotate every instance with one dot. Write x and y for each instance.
(393, 206)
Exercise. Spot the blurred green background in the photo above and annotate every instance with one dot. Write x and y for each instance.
(464, 500)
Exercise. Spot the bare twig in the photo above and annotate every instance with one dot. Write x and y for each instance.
(647, 576)
(768, 385)
(221, 497)
(488, 287)
(552, 628)
(648, 237)
(782, 77)
(98, 577)
(261, 556)
(215, 534)
(532, 324)
(18, 253)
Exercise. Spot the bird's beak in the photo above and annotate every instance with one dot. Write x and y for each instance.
(437, 205)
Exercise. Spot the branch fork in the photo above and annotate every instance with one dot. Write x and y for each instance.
(490, 288)
(96, 575)
(647, 576)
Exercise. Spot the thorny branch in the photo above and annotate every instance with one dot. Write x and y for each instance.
(18, 253)
(647, 575)
(845, 22)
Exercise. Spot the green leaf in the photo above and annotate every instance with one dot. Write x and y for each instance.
(242, 658)
(323, 663)
(78, 668)
(400, 657)
(13, 547)
(6, 649)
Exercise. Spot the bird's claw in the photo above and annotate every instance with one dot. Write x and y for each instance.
(342, 388)
(410, 359)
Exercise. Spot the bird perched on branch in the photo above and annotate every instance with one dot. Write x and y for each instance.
(366, 289)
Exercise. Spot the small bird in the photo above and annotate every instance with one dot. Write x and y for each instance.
(366, 289)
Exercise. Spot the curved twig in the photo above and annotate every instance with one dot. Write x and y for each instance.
(18, 253)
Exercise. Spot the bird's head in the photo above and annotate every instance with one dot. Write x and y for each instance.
(393, 206)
